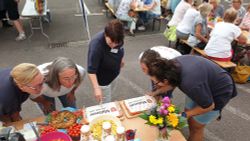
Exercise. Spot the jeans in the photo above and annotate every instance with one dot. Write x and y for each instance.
(202, 118)
(63, 99)
(146, 16)
(131, 21)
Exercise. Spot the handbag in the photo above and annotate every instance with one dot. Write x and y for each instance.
(170, 33)
(241, 73)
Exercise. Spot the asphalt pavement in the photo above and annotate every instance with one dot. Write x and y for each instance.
(68, 38)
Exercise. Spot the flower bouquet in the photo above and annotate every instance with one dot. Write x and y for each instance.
(166, 117)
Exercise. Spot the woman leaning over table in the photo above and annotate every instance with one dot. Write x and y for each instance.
(62, 78)
(219, 45)
(199, 33)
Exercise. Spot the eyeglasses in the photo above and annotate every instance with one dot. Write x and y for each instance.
(236, 1)
(37, 87)
(74, 77)
(156, 83)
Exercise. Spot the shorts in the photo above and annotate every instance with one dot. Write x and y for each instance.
(12, 9)
(203, 118)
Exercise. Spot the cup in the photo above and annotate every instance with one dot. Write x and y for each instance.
(130, 134)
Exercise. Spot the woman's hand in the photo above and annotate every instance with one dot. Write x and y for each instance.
(98, 94)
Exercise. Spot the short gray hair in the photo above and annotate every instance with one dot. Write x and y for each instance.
(57, 66)
(205, 9)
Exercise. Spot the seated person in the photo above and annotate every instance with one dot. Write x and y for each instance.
(62, 78)
(123, 13)
(180, 11)
(184, 29)
(199, 33)
(219, 45)
(154, 10)
(237, 5)
(17, 84)
(245, 24)
(218, 9)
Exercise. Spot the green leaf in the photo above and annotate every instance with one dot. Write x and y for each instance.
(144, 116)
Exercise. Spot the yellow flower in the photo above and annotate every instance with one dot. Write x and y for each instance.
(173, 119)
(153, 119)
(160, 120)
(171, 108)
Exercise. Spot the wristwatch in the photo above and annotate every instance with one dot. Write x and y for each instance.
(184, 114)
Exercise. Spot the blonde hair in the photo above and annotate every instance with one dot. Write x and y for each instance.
(230, 15)
(205, 9)
(24, 73)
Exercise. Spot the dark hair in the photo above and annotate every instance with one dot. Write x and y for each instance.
(164, 69)
(115, 31)
(57, 66)
(149, 56)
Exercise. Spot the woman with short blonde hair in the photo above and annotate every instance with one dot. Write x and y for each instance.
(17, 85)
(199, 33)
(24, 73)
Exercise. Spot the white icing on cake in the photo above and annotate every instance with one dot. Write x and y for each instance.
(104, 109)
(139, 104)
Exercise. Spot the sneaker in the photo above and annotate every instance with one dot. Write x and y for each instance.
(141, 28)
(21, 37)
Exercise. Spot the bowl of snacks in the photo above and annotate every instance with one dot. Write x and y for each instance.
(96, 126)
(55, 136)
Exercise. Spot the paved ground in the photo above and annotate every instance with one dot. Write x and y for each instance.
(66, 30)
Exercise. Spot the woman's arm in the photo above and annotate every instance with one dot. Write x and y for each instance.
(96, 88)
(198, 110)
(198, 29)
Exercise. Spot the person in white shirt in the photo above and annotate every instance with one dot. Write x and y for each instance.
(183, 29)
(179, 12)
(219, 45)
(62, 78)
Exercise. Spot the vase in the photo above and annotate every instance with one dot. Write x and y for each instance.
(163, 135)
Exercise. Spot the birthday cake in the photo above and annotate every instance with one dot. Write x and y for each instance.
(111, 108)
(139, 104)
